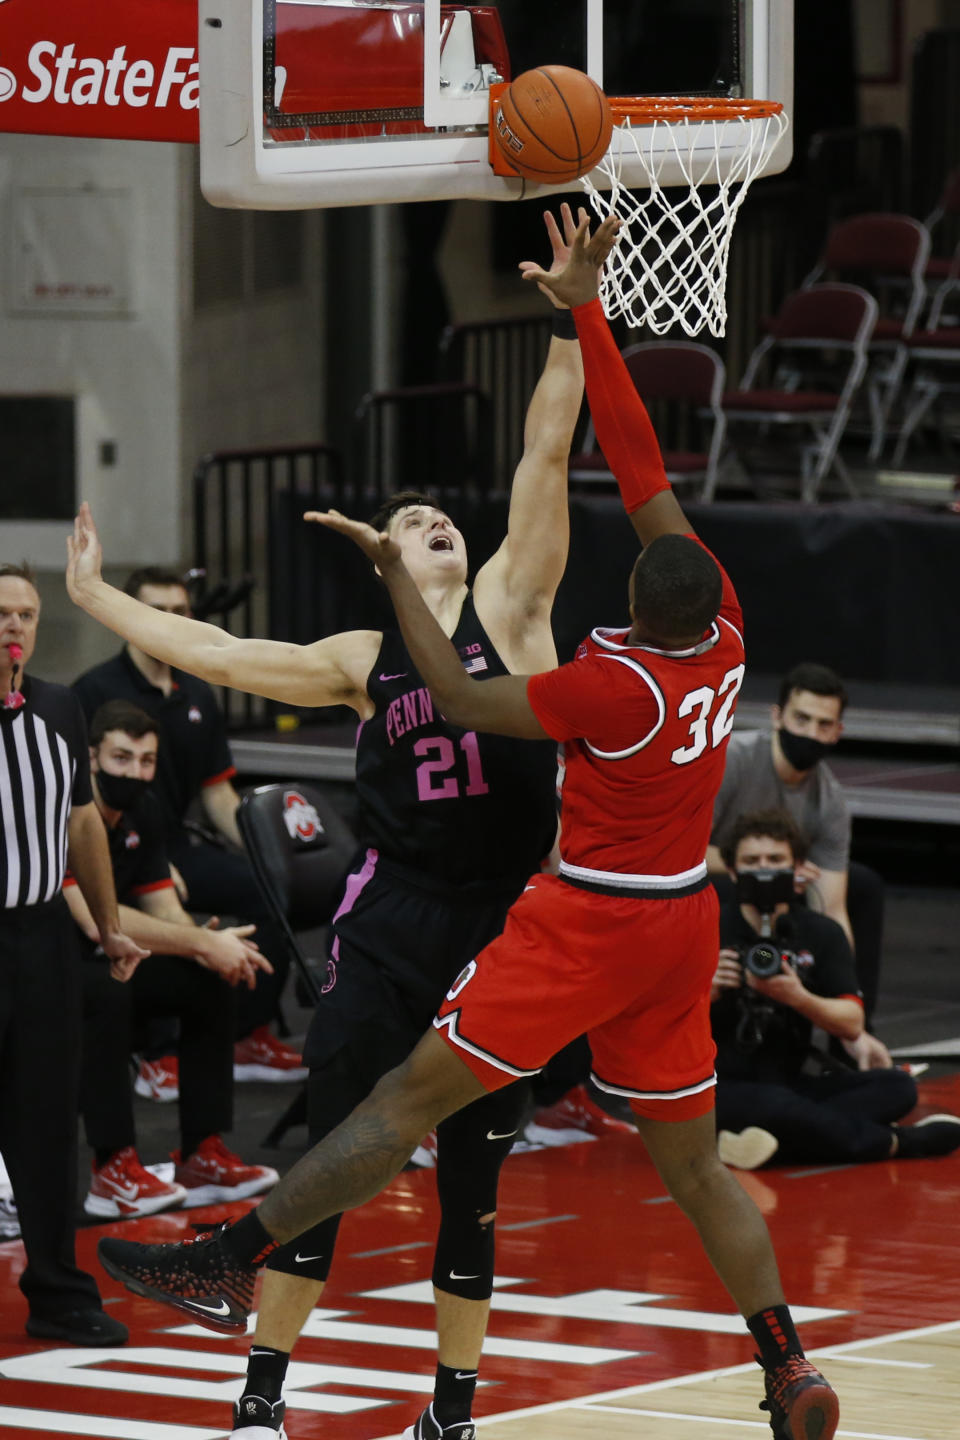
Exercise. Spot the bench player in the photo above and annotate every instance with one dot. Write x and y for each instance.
(452, 824)
(622, 941)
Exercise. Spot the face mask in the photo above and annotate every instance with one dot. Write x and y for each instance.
(121, 792)
(766, 889)
(802, 752)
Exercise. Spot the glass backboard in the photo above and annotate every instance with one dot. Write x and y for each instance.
(352, 102)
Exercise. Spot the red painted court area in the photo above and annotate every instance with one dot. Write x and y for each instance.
(601, 1286)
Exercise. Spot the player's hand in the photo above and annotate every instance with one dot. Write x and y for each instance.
(577, 282)
(561, 245)
(123, 953)
(232, 955)
(377, 546)
(84, 555)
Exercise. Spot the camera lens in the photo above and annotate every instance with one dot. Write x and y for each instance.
(763, 960)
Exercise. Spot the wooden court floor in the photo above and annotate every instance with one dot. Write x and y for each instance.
(606, 1321)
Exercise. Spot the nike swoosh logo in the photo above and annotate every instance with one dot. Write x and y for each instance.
(385, 678)
(492, 1135)
(455, 1276)
(125, 1192)
(466, 1374)
(302, 1259)
(221, 1307)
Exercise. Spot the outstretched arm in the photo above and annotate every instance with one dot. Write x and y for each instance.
(518, 584)
(499, 705)
(329, 672)
(623, 427)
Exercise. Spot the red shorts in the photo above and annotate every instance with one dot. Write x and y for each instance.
(633, 974)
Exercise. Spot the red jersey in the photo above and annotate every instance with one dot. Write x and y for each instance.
(645, 733)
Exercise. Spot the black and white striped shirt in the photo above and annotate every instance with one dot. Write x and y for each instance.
(44, 771)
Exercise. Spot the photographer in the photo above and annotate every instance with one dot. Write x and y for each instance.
(782, 970)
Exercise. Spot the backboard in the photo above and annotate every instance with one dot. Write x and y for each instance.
(311, 103)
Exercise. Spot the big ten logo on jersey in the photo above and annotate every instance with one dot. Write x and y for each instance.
(473, 658)
(301, 818)
(711, 723)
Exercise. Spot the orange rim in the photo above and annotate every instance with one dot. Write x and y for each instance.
(645, 109)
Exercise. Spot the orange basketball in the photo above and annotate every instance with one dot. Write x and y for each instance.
(553, 124)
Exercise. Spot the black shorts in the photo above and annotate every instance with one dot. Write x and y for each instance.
(394, 953)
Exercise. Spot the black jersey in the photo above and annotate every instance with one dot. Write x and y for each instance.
(462, 808)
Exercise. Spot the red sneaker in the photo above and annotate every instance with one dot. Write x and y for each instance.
(576, 1117)
(122, 1188)
(802, 1405)
(261, 1056)
(159, 1079)
(214, 1174)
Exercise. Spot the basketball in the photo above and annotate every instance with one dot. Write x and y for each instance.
(553, 124)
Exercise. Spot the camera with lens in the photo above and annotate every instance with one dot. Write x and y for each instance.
(764, 960)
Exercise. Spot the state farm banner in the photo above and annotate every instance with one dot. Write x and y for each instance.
(114, 69)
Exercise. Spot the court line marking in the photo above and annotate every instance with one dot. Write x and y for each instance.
(828, 1351)
(871, 1360)
(726, 1420)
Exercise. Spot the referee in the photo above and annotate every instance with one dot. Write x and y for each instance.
(47, 815)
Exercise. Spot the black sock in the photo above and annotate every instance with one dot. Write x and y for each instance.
(775, 1335)
(248, 1241)
(453, 1395)
(266, 1371)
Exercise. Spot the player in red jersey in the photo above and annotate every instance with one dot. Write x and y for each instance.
(621, 943)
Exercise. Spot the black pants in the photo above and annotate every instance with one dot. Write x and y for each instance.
(222, 882)
(831, 1119)
(165, 986)
(39, 1076)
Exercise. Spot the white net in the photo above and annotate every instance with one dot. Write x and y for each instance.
(670, 264)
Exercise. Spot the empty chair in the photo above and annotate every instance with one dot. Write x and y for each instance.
(823, 331)
(300, 848)
(684, 374)
(887, 254)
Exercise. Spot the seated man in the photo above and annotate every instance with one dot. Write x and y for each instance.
(188, 976)
(195, 763)
(786, 769)
(766, 1101)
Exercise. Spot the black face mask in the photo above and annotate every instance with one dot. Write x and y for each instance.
(802, 752)
(766, 889)
(121, 792)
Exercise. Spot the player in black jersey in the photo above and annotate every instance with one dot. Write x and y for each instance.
(453, 824)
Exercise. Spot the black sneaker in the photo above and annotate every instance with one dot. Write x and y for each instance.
(78, 1327)
(802, 1405)
(933, 1135)
(427, 1427)
(198, 1277)
(256, 1419)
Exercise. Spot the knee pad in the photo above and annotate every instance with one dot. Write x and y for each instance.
(471, 1147)
(310, 1255)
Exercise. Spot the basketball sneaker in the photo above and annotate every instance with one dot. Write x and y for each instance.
(198, 1277)
(213, 1174)
(159, 1079)
(427, 1427)
(574, 1118)
(256, 1419)
(802, 1405)
(261, 1056)
(747, 1150)
(9, 1219)
(123, 1188)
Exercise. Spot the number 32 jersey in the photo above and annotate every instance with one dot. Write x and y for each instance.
(466, 810)
(645, 733)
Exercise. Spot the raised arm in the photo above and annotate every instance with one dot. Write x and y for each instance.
(515, 589)
(498, 705)
(329, 672)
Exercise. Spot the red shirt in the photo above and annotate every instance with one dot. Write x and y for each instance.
(645, 733)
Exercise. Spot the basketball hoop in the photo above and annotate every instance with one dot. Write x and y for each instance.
(670, 265)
